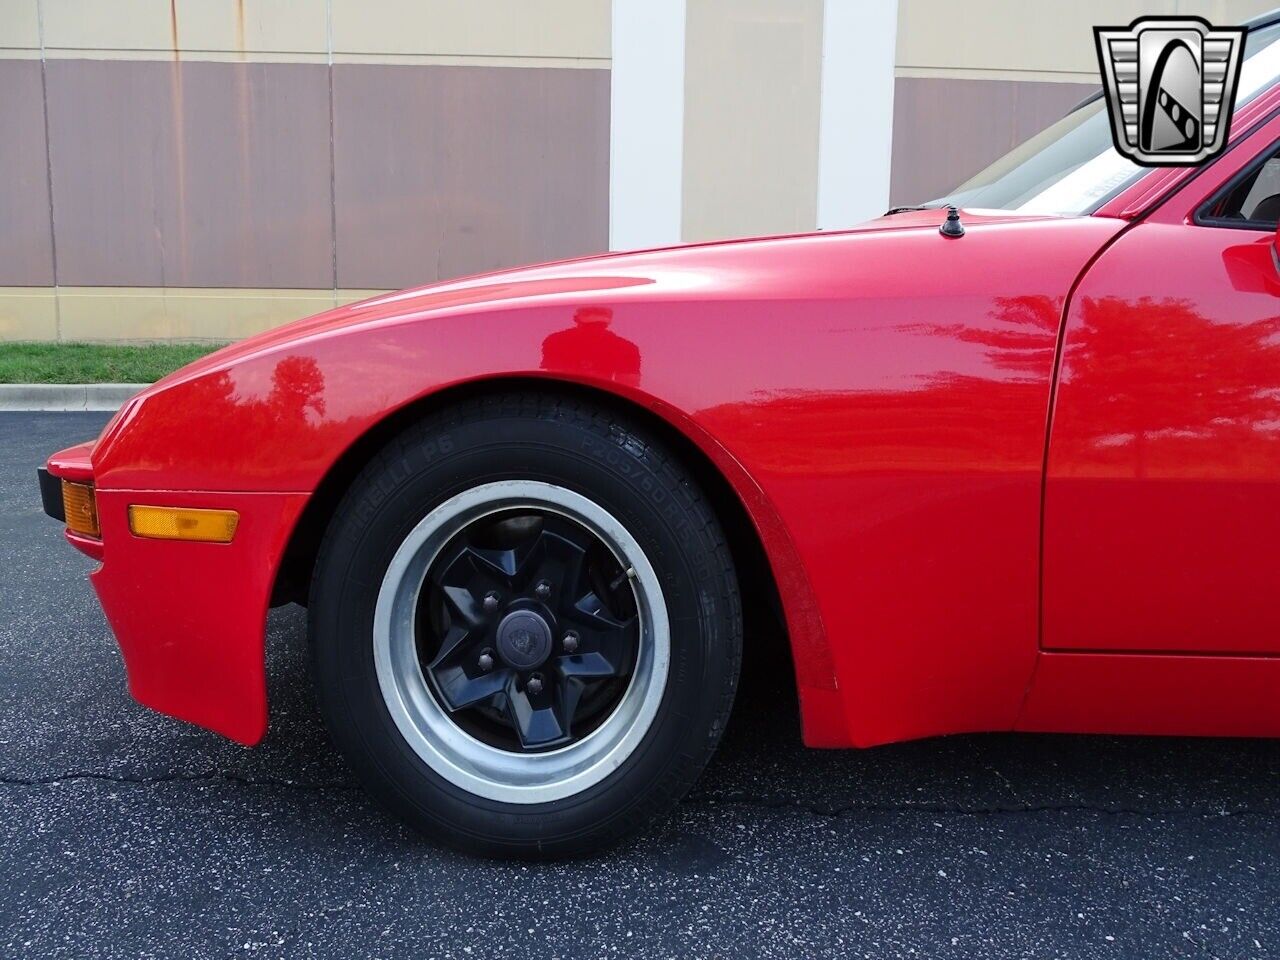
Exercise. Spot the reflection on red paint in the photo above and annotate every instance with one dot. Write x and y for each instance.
(944, 420)
(1168, 392)
(289, 417)
(1164, 464)
(591, 349)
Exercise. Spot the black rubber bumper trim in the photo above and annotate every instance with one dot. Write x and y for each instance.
(51, 495)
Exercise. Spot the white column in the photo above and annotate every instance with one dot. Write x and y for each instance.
(646, 142)
(855, 128)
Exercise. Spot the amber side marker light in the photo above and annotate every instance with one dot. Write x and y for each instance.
(80, 508)
(183, 523)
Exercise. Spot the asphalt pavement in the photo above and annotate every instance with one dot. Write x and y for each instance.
(128, 834)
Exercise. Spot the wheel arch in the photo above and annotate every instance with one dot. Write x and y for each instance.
(758, 573)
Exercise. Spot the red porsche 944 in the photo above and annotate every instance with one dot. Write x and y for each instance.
(1021, 473)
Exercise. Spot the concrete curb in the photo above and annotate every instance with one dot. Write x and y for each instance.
(66, 397)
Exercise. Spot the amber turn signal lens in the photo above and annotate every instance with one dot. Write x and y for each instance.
(80, 508)
(183, 523)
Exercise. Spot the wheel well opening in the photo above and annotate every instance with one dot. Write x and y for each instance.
(767, 645)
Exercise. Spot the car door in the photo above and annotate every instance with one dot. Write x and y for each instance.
(1162, 489)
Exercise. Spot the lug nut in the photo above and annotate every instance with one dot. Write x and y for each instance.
(534, 685)
(570, 642)
(486, 661)
(491, 601)
(543, 589)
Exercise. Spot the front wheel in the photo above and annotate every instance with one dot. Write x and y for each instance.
(526, 627)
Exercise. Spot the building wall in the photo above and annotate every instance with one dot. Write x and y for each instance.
(975, 79)
(970, 81)
(204, 169)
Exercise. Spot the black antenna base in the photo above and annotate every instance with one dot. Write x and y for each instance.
(952, 227)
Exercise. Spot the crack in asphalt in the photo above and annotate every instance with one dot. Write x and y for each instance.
(828, 812)
(209, 776)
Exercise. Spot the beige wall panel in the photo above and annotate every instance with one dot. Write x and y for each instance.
(19, 25)
(181, 314)
(187, 25)
(343, 297)
(232, 315)
(516, 28)
(116, 24)
(944, 131)
(118, 316)
(442, 171)
(191, 174)
(752, 79)
(1051, 40)
(26, 253)
(149, 313)
(27, 314)
(293, 26)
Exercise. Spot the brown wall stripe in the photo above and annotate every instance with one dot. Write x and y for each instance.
(448, 170)
(221, 174)
(190, 174)
(26, 250)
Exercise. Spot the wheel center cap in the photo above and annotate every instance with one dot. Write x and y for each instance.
(524, 639)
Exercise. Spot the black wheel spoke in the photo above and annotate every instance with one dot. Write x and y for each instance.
(591, 612)
(601, 653)
(557, 559)
(461, 690)
(568, 693)
(535, 717)
(456, 641)
(464, 605)
(502, 563)
(587, 666)
(470, 572)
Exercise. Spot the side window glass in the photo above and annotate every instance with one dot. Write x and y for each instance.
(1252, 202)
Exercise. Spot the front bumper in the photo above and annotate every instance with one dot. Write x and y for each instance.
(51, 495)
(189, 617)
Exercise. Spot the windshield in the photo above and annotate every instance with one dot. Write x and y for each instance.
(1073, 166)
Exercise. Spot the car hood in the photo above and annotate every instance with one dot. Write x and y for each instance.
(684, 330)
(602, 275)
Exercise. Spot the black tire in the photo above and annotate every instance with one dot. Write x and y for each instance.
(595, 453)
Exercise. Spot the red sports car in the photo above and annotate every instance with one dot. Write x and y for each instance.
(1018, 474)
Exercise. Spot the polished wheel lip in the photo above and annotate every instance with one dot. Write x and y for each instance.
(445, 747)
